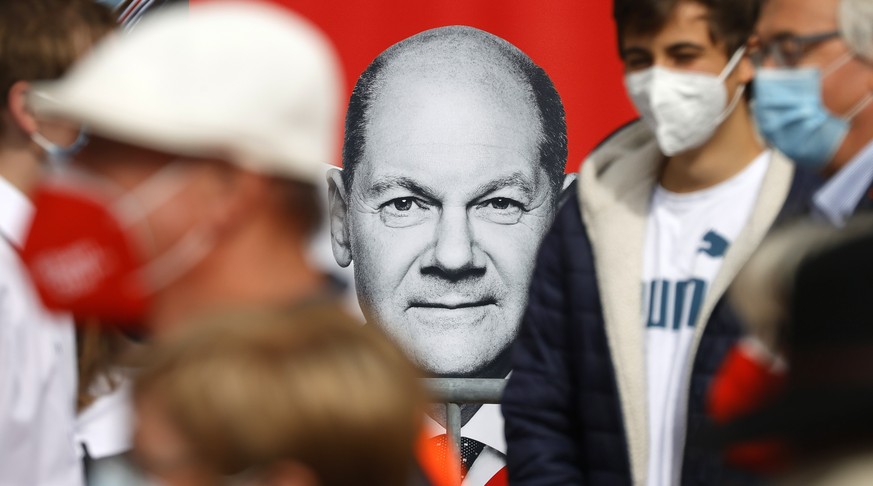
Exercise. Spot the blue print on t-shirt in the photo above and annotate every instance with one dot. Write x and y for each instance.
(714, 244)
(679, 301)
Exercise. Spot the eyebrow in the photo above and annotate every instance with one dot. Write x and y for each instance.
(681, 46)
(385, 184)
(516, 179)
(639, 51)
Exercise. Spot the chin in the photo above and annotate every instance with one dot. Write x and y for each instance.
(454, 362)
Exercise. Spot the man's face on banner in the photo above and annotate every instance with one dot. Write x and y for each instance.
(446, 211)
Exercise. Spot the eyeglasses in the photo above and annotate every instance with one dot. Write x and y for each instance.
(787, 50)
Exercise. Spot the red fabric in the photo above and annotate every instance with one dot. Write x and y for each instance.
(440, 466)
(573, 40)
(499, 479)
(743, 385)
(81, 258)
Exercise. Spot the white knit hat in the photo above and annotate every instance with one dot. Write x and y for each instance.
(245, 82)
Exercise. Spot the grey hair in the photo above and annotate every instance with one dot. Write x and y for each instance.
(856, 26)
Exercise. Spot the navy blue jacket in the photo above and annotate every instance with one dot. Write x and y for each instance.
(564, 424)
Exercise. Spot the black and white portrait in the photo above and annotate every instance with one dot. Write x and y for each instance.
(453, 159)
(453, 163)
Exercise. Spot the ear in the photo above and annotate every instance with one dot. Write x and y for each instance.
(745, 70)
(21, 115)
(338, 210)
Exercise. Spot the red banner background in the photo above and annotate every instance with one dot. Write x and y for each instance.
(573, 40)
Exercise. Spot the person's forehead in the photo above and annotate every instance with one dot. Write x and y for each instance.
(688, 22)
(798, 17)
(450, 105)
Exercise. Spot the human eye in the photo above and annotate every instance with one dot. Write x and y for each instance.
(637, 63)
(685, 58)
(500, 210)
(403, 211)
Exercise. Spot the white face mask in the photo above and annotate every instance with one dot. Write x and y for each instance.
(683, 108)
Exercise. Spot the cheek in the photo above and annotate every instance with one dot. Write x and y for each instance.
(382, 255)
(513, 248)
(169, 223)
(192, 206)
(843, 89)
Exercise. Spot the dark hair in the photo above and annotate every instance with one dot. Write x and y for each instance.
(730, 21)
(38, 38)
(553, 142)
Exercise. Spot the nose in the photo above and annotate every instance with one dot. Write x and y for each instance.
(454, 247)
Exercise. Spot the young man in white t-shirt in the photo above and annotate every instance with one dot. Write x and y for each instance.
(625, 323)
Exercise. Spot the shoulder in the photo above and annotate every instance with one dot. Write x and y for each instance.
(804, 184)
(568, 217)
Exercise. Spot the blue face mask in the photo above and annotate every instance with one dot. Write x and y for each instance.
(791, 115)
(57, 155)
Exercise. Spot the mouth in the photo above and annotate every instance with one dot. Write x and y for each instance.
(453, 304)
(446, 315)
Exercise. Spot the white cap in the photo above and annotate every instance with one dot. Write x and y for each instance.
(245, 82)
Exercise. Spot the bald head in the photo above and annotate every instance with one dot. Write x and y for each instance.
(444, 78)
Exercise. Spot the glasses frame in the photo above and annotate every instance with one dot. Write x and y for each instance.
(787, 50)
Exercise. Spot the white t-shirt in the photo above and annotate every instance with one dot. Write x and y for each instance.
(687, 237)
(37, 368)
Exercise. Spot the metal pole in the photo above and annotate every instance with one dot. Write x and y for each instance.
(456, 391)
(466, 390)
(453, 425)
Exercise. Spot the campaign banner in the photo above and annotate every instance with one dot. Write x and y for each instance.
(465, 123)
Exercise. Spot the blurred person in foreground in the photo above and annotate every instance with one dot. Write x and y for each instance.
(254, 397)
(209, 128)
(807, 294)
(196, 192)
(626, 322)
(39, 39)
(814, 95)
(755, 371)
(814, 101)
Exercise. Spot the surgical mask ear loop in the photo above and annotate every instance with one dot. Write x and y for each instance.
(58, 156)
(834, 67)
(731, 65)
(137, 203)
(858, 107)
(142, 200)
(837, 64)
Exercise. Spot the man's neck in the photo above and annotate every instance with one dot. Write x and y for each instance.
(730, 150)
(19, 167)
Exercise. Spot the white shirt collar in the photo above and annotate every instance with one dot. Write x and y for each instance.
(16, 212)
(486, 426)
(839, 197)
